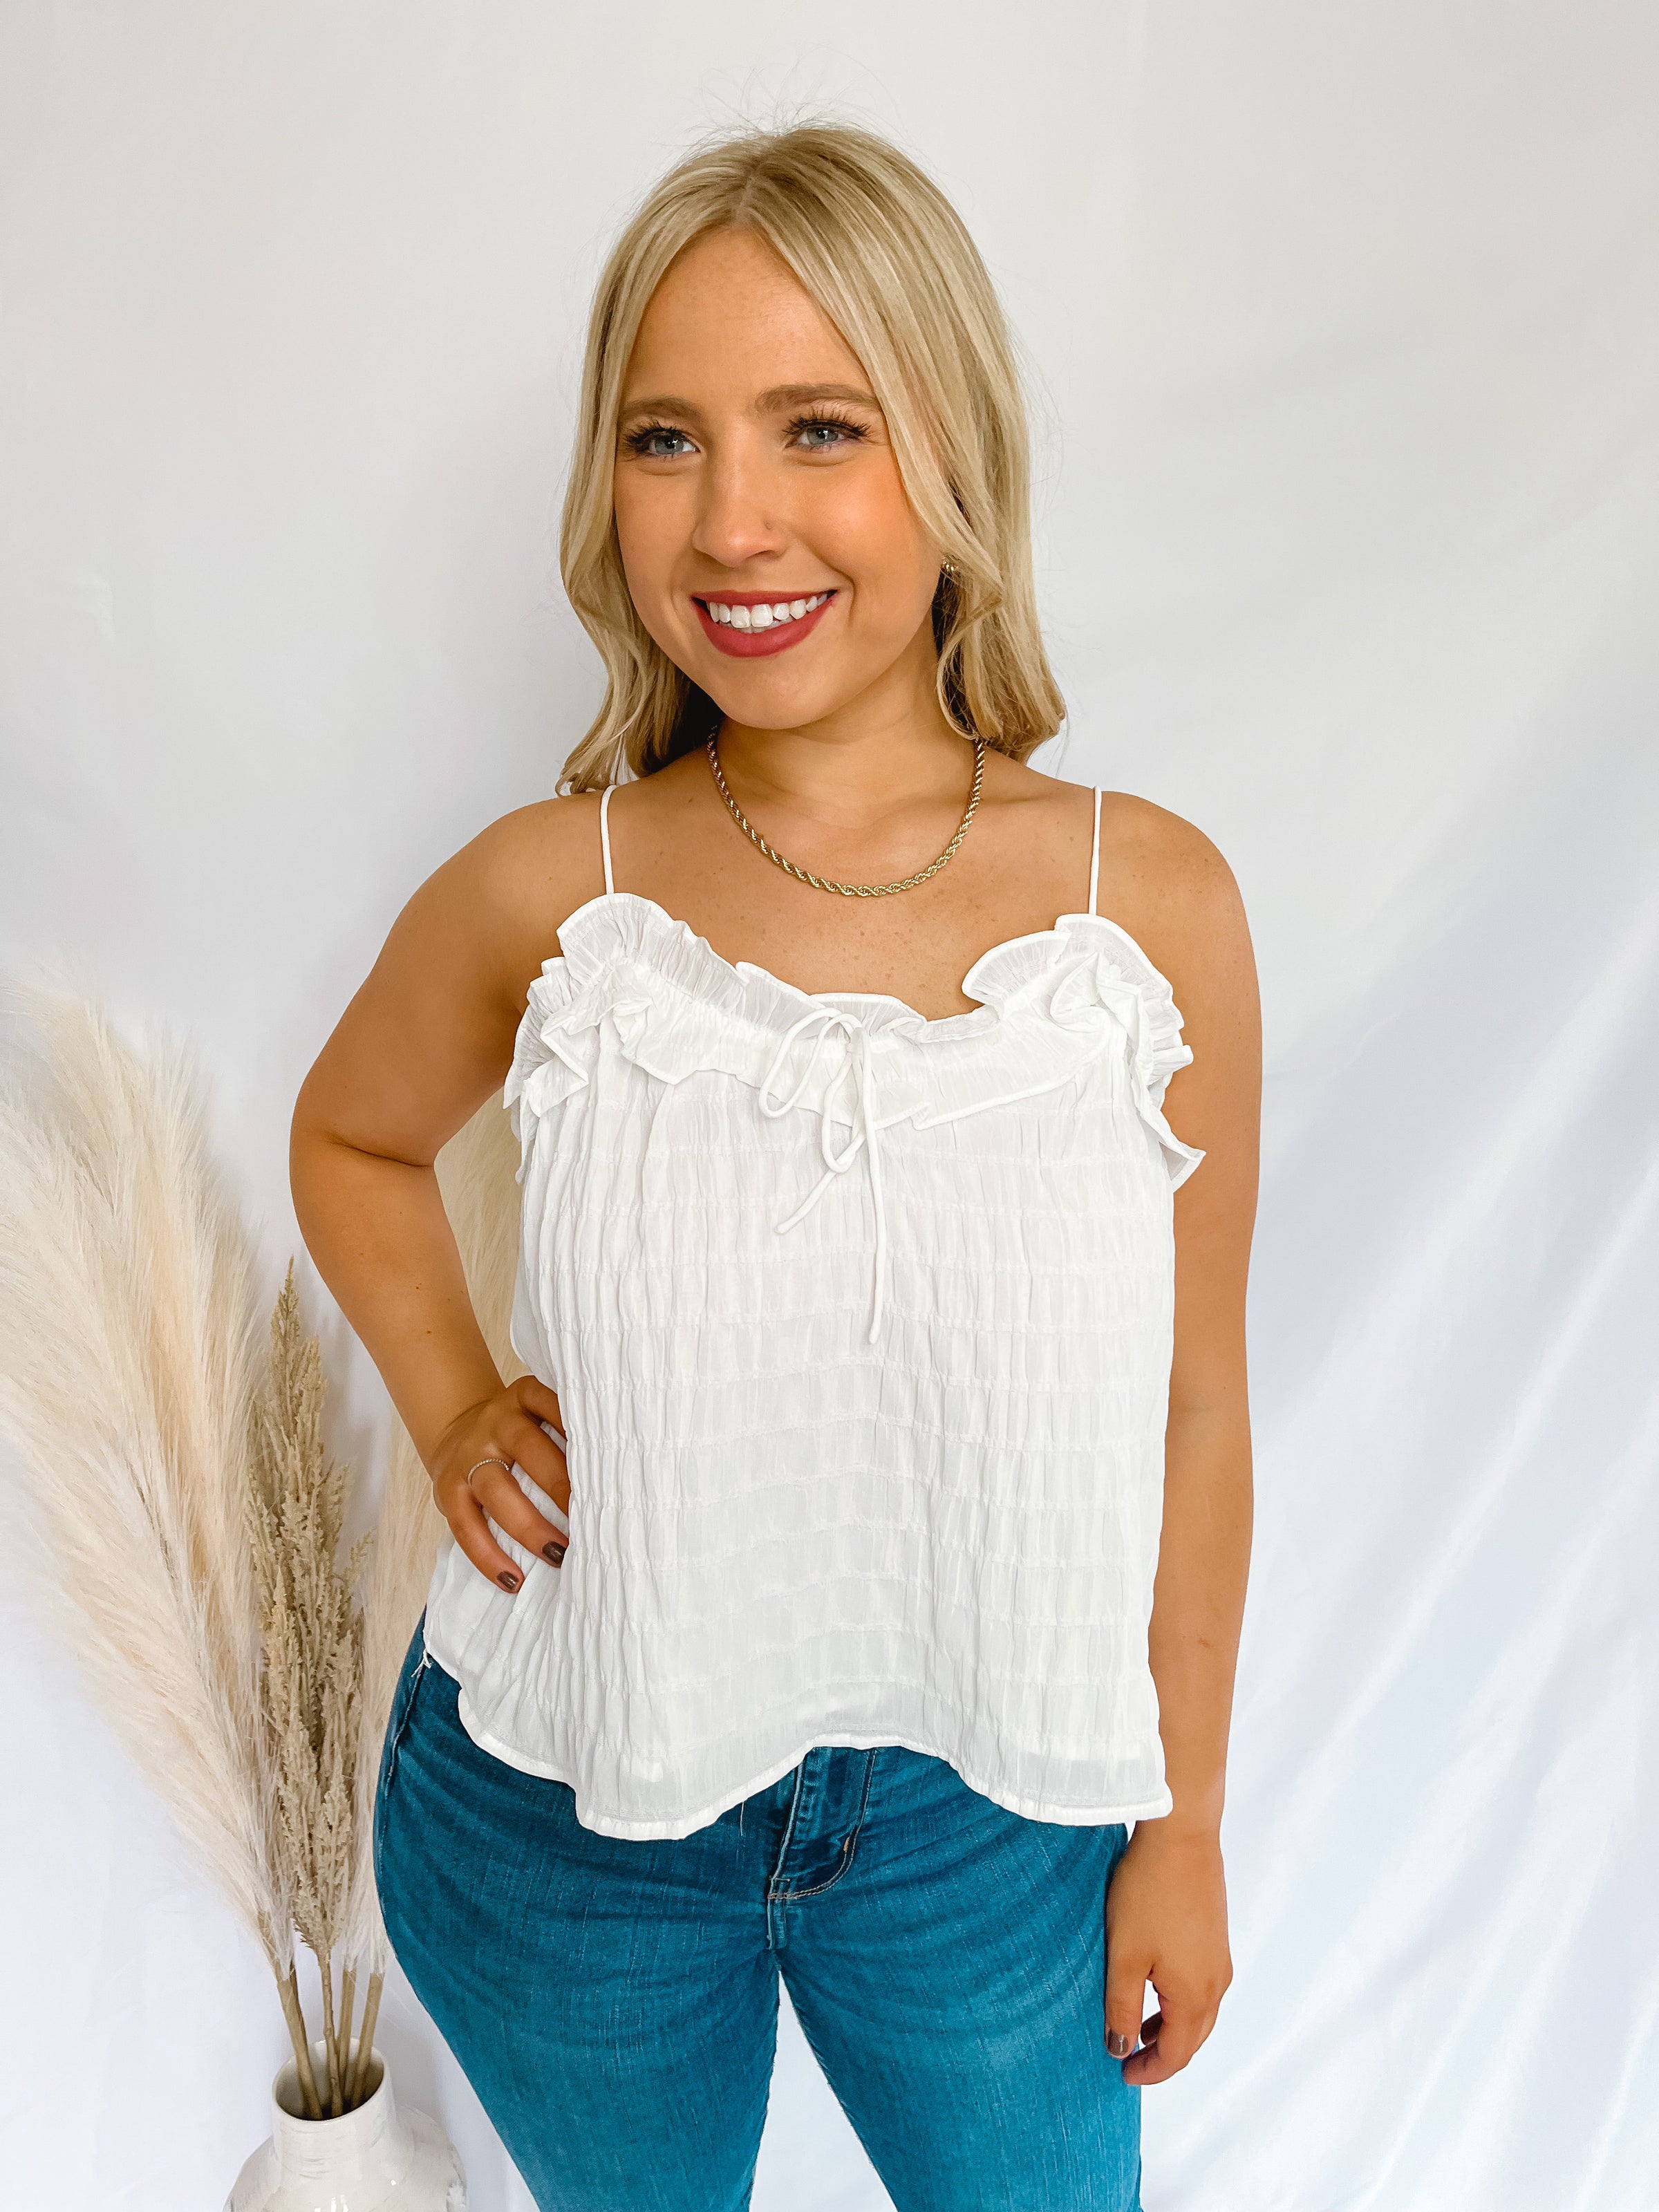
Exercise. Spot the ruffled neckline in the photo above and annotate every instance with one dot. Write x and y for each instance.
(1051, 1003)
(629, 922)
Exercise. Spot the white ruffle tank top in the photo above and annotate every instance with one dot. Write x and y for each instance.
(861, 1327)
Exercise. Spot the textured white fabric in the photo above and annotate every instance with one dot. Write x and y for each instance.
(860, 1325)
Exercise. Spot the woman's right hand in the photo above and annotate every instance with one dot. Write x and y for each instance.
(499, 1430)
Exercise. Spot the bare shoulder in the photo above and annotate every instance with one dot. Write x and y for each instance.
(1168, 883)
(1154, 847)
(511, 888)
(429, 1033)
(1170, 886)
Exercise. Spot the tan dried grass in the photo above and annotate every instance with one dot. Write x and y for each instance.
(189, 1513)
(475, 1172)
(130, 1359)
(313, 1638)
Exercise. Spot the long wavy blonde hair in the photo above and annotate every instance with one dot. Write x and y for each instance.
(885, 256)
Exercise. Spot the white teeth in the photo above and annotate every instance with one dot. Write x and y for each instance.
(763, 617)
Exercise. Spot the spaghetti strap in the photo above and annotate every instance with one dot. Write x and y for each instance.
(1094, 858)
(604, 840)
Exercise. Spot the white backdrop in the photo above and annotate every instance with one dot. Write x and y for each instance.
(1343, 324)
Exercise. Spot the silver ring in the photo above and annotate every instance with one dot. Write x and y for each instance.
(493, 1461)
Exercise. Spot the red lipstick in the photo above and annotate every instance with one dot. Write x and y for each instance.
(752, 644)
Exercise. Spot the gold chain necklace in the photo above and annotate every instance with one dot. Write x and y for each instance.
(853, 890)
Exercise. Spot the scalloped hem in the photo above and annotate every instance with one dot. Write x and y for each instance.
(672, 1829)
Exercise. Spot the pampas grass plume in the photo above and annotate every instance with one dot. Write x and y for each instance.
(188, 1513)
(126, 1299)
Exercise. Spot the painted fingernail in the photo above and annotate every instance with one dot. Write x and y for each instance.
(507, 1580)
(555, 1552)
(1118, 2045)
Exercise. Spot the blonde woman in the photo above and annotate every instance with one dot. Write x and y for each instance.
(864, 1554)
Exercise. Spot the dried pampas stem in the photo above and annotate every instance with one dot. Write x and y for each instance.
(365, 2039)
(288, 1988)
(347, 1998)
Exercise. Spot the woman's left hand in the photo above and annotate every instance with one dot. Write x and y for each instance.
(1166, 1924)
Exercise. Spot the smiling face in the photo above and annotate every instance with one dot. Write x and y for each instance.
(765, 534)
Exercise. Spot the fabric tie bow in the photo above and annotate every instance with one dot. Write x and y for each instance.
(825, 1022)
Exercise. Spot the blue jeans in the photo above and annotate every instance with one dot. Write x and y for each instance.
(615, 2003)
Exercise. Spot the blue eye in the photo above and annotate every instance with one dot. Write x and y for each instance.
(657, 441)
(823, 434)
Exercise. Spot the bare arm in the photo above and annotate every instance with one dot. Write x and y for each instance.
(424, 1041)
(1167, 1914)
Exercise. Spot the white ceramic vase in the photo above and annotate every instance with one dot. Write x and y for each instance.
(375, 2156)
